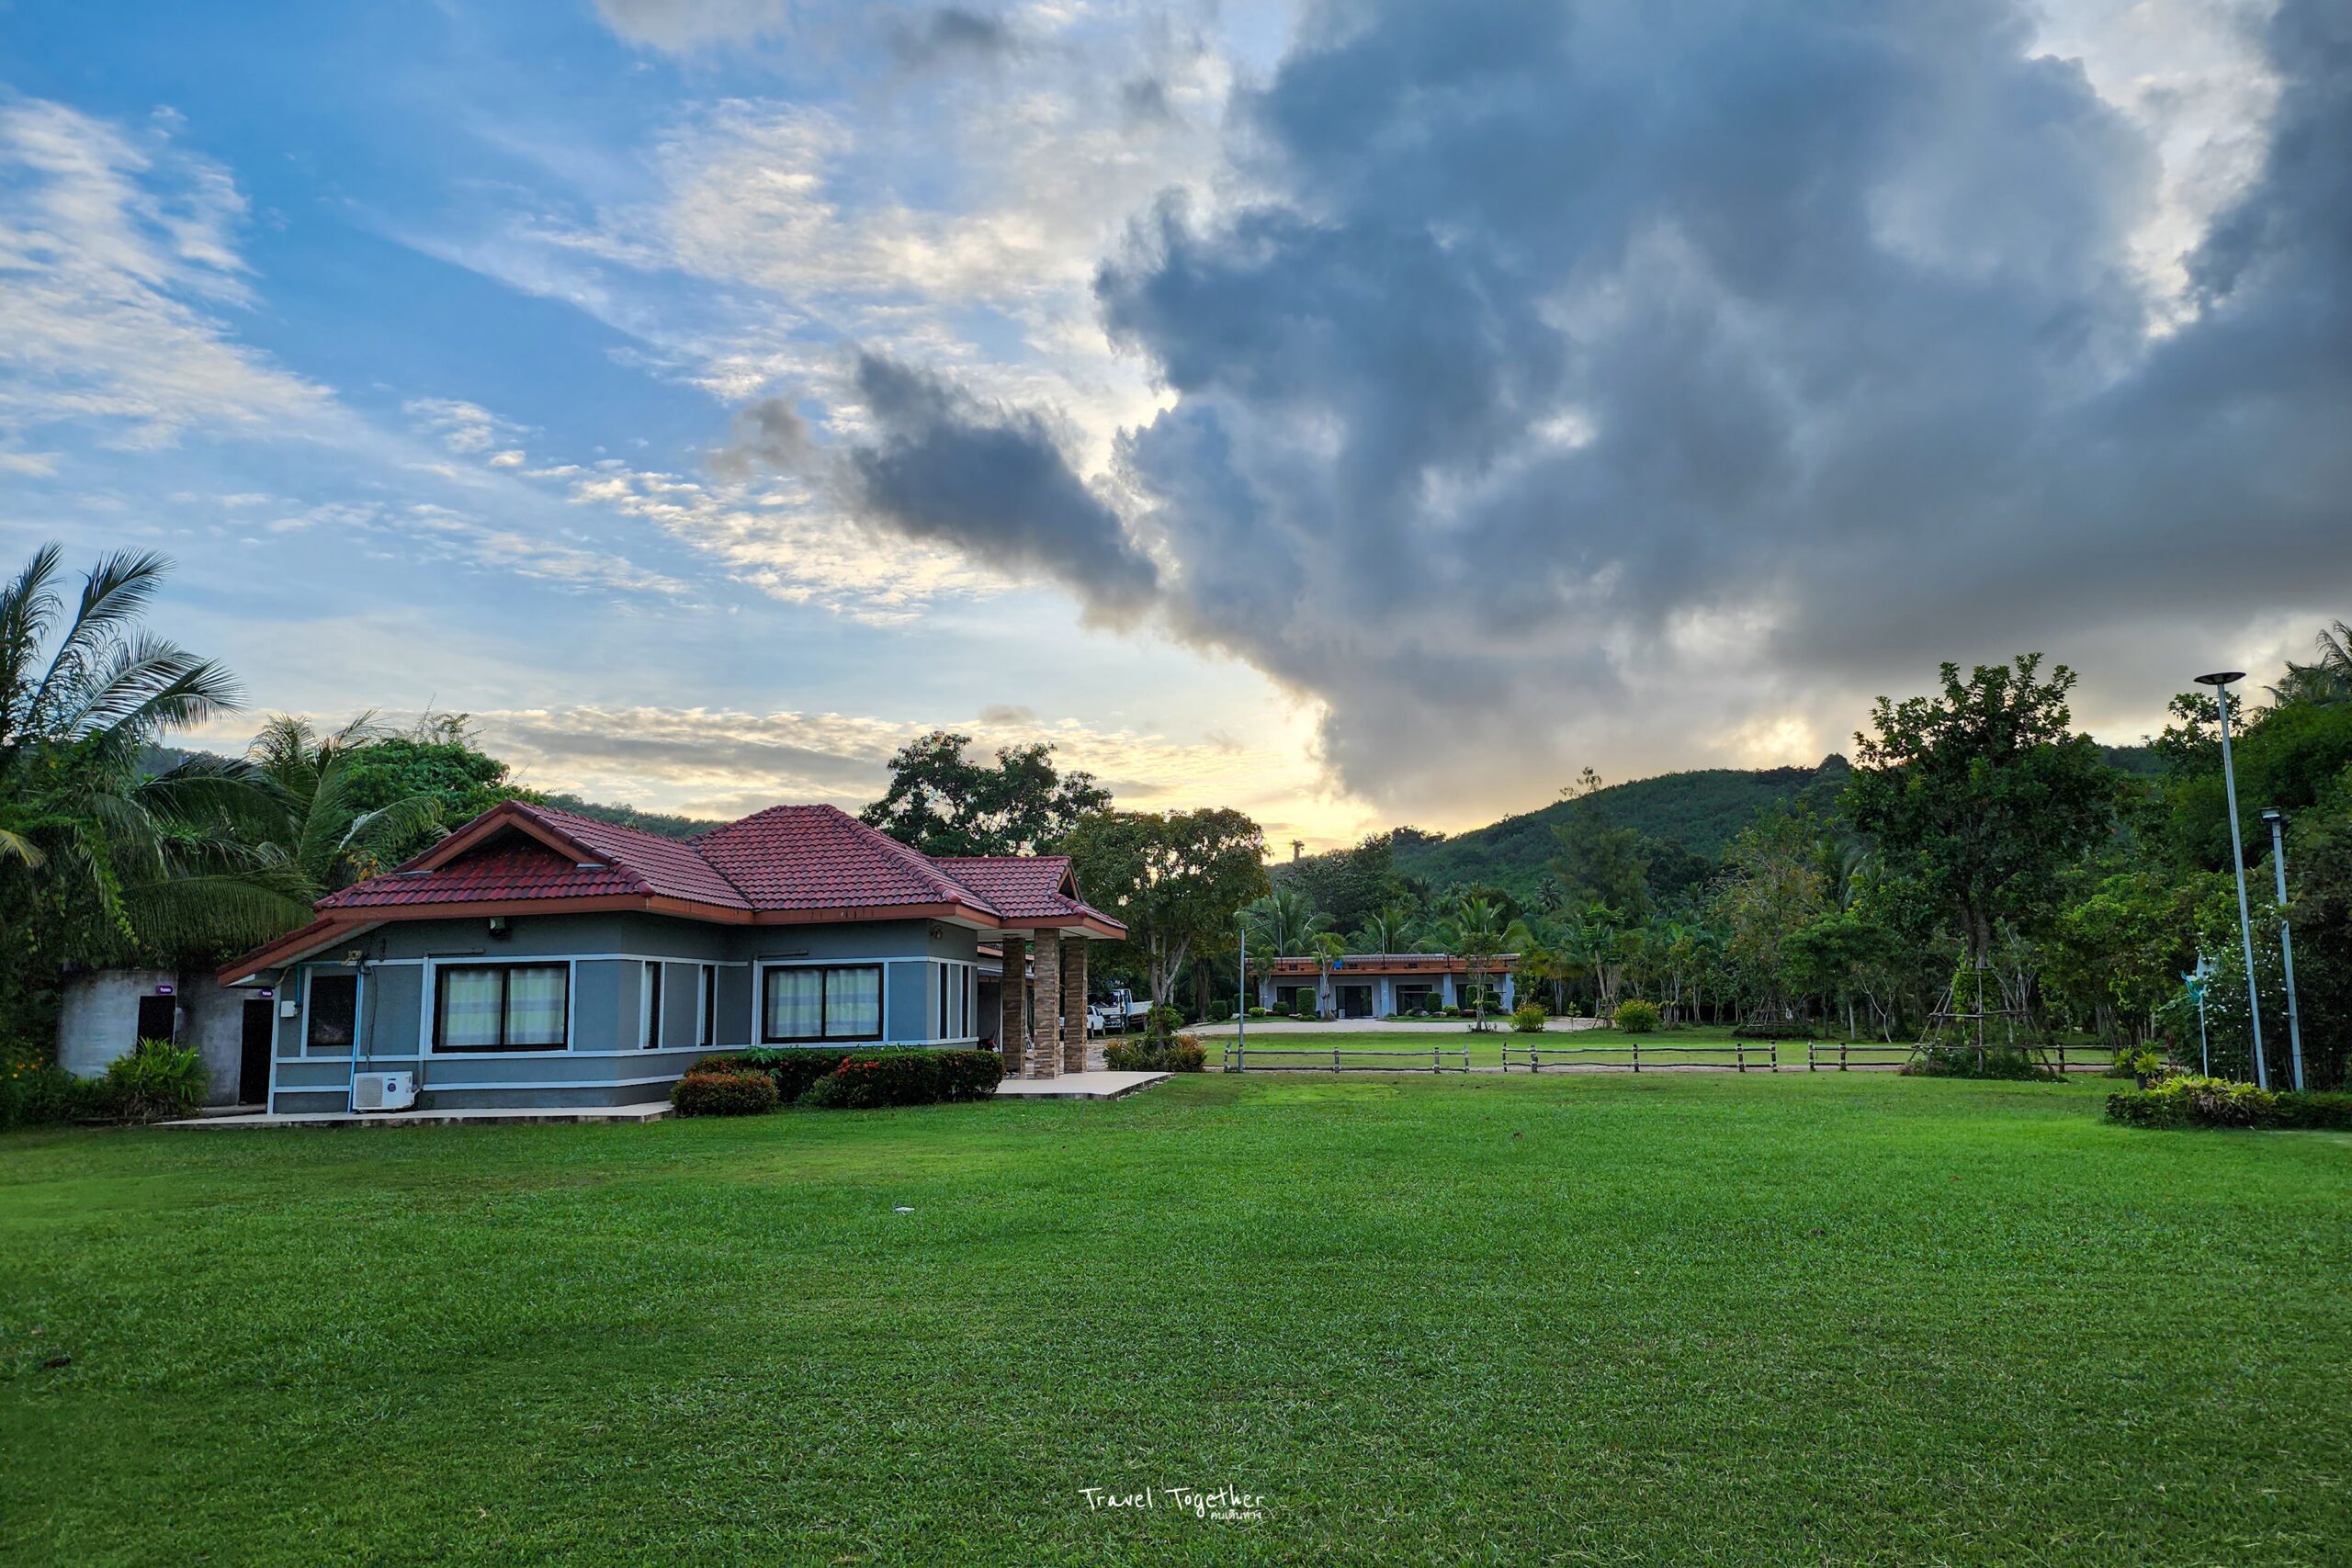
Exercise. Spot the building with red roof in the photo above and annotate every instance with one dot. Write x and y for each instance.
(540, 959)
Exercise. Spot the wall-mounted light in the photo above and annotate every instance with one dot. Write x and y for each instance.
(498, 926)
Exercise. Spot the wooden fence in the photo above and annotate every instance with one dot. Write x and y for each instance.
(1247, 1056)
(1729, 1056)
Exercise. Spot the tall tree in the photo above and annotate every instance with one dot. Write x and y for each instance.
(1176, 879)
(1388, 929)
(96, 856)
(315, 784)
(942, 803)
(1477, 933)
(1983, 794)
(1771, 887)
(1279, 925)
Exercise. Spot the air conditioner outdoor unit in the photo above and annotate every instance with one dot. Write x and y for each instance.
(383, 1091)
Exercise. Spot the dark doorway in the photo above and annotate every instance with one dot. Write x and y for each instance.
(157, 1017)
(253, 1061)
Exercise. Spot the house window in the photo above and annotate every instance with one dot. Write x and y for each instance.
(501, 1006)
(808, 1003)
(649, 1023)
(946, 1009)
(707, 1024)
(335, 1012)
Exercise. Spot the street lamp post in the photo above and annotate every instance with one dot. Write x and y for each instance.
(2220, 681)
(2277, 820)
(1241, 1010)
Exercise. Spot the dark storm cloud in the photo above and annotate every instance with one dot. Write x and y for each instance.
(1572, 328)
(950, 32)
(945, 466)
(770, 437)
(1602, 375)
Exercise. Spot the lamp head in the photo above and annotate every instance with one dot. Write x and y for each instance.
(2273, 814)
(2220, 678)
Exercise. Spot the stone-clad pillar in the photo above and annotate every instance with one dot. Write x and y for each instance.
(1046, 1028)
(1012, 1038)
(1074, 1051)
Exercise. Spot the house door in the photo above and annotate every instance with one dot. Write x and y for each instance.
(1355, 1001)
(253, 1061)
(157, 1018)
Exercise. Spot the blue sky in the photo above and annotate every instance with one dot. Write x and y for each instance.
(1311, 410)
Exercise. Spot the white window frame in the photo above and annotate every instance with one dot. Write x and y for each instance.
(310, 971)
(760, 1000)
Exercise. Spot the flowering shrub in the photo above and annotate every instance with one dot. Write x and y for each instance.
(702, 1093)
(865, 1080)
(2192, 1101)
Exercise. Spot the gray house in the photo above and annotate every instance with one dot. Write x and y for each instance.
(536, 959)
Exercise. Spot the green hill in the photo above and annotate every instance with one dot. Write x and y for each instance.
(1702, 811)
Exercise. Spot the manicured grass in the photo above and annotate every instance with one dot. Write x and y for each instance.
(1677, 1318)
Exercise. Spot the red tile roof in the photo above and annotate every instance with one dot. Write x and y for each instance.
(788, 863)
(1020, 886)
(820, 857)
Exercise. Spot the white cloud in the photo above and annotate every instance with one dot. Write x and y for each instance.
(118, 256)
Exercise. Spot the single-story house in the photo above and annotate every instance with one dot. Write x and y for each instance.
(105, 1013)
(538, 959)
(1373, 985)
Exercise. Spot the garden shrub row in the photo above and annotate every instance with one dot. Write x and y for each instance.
(1956, 1062)
(156, 1081)
(2191, 1101)
(1174, 1054)
(833, 1078)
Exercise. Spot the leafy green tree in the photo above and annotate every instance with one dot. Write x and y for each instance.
(1347, 885)
(1983, 794)
(2117, 949)
(1177, 880)
(1839, 955)
(942, 803)
(438, 760)
(1773, 887)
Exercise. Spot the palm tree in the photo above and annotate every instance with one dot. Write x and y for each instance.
(1281, 924)
(1388, 930)
(1476, 934)
(1328, 947)
(83, 830)
(2328, 678)
(319, 834)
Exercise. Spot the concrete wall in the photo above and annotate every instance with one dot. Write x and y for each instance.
(603, 1061)
(98, 1020)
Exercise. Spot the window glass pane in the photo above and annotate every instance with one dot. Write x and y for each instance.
(468, 1008)
(334, 1008)
(853, 1003)
(534, 998)
(792, 996)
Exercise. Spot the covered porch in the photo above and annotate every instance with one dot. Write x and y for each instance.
(1044, 1030)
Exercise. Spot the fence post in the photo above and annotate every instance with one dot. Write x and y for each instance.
(1637, 1053)
(1335, 1056)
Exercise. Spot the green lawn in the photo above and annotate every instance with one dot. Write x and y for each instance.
(1677, 1318)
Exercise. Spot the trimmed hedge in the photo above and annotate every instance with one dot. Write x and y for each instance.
(740, 1093)
(898, 1074)
(1772, 1032)
(1634, 1016)
(1181, 1055)
(2190, 1101)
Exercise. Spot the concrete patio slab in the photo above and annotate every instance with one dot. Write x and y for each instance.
(649, 1110)
(1097, 1085)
